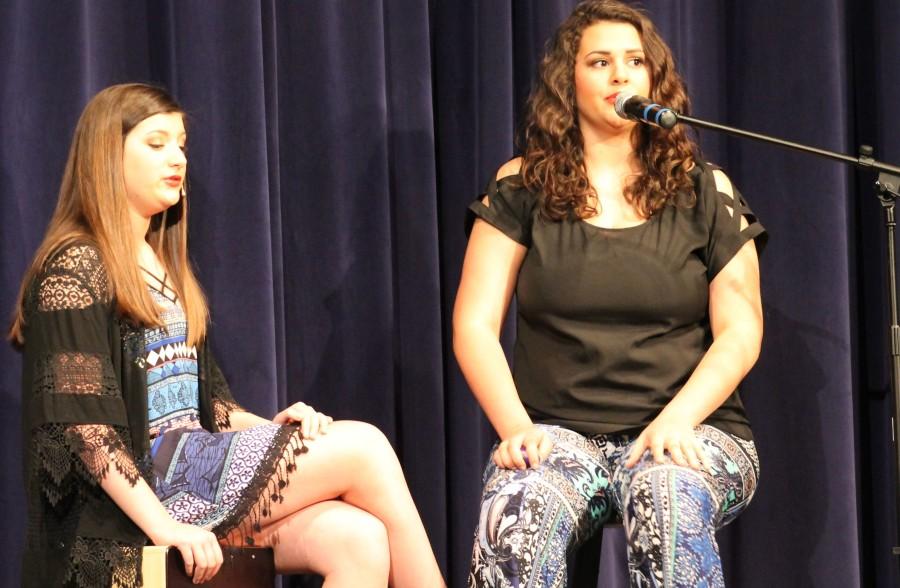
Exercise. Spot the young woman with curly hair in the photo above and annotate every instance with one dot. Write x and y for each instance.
(636, 275)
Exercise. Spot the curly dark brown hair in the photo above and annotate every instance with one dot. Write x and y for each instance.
(551, 140)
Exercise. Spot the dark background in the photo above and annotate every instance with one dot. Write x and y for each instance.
(334, 145)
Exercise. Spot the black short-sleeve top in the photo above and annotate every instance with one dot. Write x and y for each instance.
(612, 322)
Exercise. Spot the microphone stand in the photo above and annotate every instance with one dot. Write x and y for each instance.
(887, 190)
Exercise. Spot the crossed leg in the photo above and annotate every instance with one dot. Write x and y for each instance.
(345, 545)
(355, 464)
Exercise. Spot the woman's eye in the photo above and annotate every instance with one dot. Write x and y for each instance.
(601, 63)
(156, 145)
(637, 61)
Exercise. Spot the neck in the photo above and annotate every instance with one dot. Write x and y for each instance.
(143, 250)
(609, 151)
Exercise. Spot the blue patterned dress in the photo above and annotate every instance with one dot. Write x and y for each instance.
(212, 480)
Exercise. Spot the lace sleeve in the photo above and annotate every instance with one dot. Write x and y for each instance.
(79, 425)
(75, 278)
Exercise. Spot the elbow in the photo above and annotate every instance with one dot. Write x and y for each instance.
(750, 342)
(754, 340)
(753, 351)
(742, 343)
(739, 335)
(469, 334)
(462, 330)
(461, 337)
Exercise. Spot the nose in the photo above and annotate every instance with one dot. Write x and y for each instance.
(619, 73)
(177, 157)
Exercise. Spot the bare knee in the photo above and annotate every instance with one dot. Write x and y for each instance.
(368, 540)
(369, 436)
(369, 449)
(360, 545)
(346, 545)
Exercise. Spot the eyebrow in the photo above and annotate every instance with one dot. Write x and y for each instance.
(607, 52)
(164, 132)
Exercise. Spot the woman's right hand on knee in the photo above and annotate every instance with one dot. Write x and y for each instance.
(199, 549)
(526, 448)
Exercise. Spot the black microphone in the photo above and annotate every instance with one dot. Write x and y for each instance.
(643, 109)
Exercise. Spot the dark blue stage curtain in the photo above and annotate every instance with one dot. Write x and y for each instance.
(334, 146)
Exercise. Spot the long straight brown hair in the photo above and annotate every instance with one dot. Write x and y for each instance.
(93, 207)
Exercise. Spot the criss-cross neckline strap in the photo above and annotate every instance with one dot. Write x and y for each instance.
(163, 283)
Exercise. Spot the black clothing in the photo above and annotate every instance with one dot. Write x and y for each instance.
(612, 322)
(84, 407)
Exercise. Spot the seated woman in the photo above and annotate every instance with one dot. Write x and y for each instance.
(131, 432)
(637, 280)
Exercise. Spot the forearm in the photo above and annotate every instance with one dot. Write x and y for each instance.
(486, 370)
(138, 502)
(725, 364)
(199, 548)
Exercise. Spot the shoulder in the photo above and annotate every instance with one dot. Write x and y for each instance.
(81, 259)
(506, 204)
(722, 182)
(507, 185)
(709, 177)
(510, 168)
(74, 276)
(74, 255)
(723, 192)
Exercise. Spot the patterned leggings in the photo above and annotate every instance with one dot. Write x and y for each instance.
(530, 520)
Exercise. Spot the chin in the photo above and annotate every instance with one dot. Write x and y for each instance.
(169, 200)
(161, 205)
(621, 125)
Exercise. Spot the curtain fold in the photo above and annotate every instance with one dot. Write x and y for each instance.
(334, 147)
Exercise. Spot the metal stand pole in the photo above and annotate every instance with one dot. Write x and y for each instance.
(887, 188)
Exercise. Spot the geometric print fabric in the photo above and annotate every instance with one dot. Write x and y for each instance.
(172, 375)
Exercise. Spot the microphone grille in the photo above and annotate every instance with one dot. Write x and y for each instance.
(621, 99)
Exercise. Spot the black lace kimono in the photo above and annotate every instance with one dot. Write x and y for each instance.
(84, 402)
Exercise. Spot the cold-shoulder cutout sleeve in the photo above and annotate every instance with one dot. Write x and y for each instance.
(75, 414)
(730, 220)
(508, 206)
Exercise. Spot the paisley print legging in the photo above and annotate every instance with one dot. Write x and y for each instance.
(530, 520)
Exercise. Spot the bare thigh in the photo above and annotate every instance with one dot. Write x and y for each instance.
(355, 463)
(337, 464)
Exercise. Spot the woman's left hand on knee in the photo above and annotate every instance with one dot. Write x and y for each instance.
(312, 423)
(524, 449)
(678, 440)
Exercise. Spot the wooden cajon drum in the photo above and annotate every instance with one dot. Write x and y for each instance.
(243, 567)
